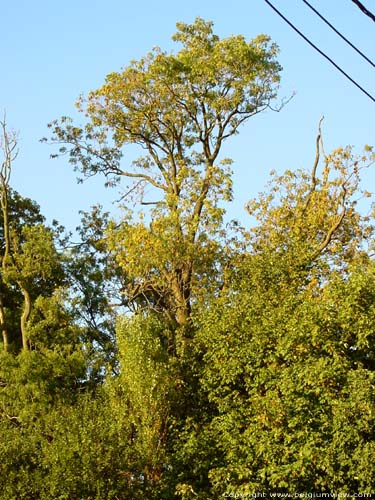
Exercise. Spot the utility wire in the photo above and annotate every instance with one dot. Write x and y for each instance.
(321, 52)
(338, 33)
(364, 10)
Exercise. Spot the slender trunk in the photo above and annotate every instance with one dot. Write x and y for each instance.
(4, 331)
(10, 151)
(5, 212)
(4, 259)
(25, 315)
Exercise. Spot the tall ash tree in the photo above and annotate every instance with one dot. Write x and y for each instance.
(178, 109)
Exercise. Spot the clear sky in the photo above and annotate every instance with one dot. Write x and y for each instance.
(51, 52)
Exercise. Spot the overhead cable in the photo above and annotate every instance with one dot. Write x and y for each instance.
(320, 51)
(364, 10)
(338, 33)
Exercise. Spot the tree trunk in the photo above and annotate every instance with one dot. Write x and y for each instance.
(181, 291)
(4, 331)
(25, 316)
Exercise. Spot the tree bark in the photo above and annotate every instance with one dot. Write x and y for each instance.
(4, 331)
(25, 316)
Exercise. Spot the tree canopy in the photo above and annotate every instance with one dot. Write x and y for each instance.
(178, 109)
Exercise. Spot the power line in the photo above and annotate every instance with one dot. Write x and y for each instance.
(364, 10)
(338, 33)
(321, 52)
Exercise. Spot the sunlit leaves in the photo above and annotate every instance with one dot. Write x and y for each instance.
(311, 215)
(149, 379)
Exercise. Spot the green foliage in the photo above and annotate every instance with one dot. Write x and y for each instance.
(289, 357)
(31, 266)
(148, 379)
(31, 381)
(58, 439)
(88, 454)
(93, 296)
(73, 451)
(293, 383)
(51, 326)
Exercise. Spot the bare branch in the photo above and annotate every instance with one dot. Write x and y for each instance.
(144, 177)
(319, 145)
(332, 230)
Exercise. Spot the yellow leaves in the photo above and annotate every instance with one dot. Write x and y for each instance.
(178, 108)
(141, 250)
(314, 214)
(224, 74)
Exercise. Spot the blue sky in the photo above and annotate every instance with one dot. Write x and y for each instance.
(51, 52)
